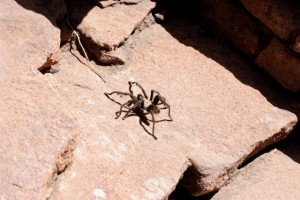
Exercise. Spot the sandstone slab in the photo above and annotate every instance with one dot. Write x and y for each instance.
(59, 135)
(220, 118)
(281, 17)
(281, 63)
(34, 127)
(114, 158)
(274, 175)
(103, 30)
(233, 22)
(20, 35)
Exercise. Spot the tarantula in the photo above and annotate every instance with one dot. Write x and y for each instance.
(142, 103)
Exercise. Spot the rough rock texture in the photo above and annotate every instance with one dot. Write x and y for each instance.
(211, 132)
(233, 22)
(273, 175)
(105, 29)
(282, 63)
(106, 3)
(20, 35)
(34, 125)
(111, 153)
(59, 135)
(281, 17)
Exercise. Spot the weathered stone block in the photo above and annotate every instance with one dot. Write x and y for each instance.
(232, 21)
(274, 175)
(104, 30)
(282, 64)
(281, 17)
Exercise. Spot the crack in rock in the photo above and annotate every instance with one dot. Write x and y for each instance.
(63, 161)
(65, 158)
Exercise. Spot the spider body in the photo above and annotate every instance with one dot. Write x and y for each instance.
(143, 103)
(147, 105)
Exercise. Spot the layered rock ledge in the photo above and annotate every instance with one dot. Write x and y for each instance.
(59, 135)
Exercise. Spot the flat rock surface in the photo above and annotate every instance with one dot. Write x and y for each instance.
(107, 28)
(60, 138)
(273, 175)
(220, 117)
(34, 125)
(24, 45)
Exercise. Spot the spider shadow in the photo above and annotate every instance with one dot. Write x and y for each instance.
(143, 120)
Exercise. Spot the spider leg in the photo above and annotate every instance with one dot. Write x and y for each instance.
(120, 93)
(153, 121)
(158, 98)
(130, 115)
(152, 94)
(130, 83)
(131, 109)
(141, 123)
(123, 105)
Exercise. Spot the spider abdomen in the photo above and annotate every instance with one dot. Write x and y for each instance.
(146, 104)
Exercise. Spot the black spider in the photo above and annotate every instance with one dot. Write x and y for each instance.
(142, 103)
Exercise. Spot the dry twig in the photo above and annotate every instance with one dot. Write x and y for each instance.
(86, 56)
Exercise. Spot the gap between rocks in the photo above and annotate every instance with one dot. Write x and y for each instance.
(191, 178)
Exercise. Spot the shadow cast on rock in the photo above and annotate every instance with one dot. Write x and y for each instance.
(143, 120)
(38, 7)
(56, 11)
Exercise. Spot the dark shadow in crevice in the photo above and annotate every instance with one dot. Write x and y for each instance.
(291, 146)
(49, 69)
(181, 193)
(78, 9)
(191, 181)
(44, 8)
(37, 7)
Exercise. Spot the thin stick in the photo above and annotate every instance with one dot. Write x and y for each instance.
(86, 56)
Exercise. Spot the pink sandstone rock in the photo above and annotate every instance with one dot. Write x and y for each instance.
(60, 138)
(34, 125)
(281, 17)
(103, 30)
(220, 118)
(24, 43)
(281, 63)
